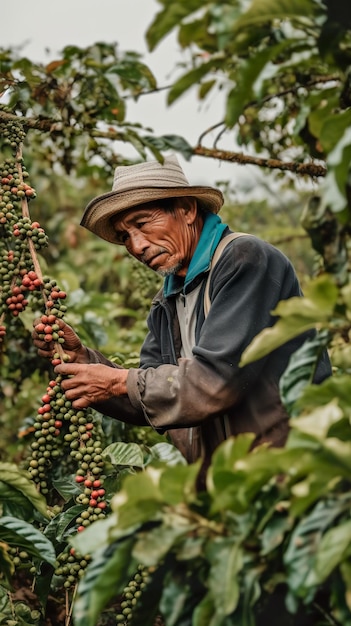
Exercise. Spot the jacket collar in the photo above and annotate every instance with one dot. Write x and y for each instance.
(211, 234)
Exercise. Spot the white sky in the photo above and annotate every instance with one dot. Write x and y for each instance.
(44, 27)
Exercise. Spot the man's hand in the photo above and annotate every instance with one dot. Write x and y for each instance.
(91, 384)
(72, 345)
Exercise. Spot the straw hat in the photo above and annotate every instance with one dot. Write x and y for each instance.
(137, 184)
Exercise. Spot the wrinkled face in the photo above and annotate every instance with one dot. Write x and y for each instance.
(163, 240)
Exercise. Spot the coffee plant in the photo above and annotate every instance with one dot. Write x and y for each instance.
(62, 442)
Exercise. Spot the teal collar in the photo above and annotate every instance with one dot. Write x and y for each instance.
(211, 234)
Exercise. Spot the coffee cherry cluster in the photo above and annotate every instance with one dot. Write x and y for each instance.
(59, 431)
(132, 593)
(24, 228)
(21, 559)
(17, 301)
(17, 272)
(71, 566)
(49, 330)
(12, 132)
(13, 190)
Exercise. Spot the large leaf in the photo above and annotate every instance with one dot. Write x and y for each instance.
(61, 525)
(192, 78)
(226, 558)
(297, 315)
(246, 77)
(178, 484)
(97, 536)
(235, 486)
(300, 555)
(261, 11)
(319, 421)
(153, 545)
(20, 533)
(140, 499)
(335, 387)
(124, 454)
(167, 453)
(7, 567)
(333, 130)
(169, 18)
(21, 482)
(334, 188)
(109, 571)
(300, 371)
(334, 547)
(167, 142)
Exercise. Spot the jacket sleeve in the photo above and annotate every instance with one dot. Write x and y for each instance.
(118, 408)
(247, 283)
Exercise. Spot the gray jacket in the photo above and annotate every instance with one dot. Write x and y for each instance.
(201, 401)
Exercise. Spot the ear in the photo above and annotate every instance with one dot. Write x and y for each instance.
(189, 209)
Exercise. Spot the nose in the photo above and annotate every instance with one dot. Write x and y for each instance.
(137, 243)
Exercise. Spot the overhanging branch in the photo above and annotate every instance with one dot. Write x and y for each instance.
(308, 169)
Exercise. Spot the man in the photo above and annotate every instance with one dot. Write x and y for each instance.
(189, 383)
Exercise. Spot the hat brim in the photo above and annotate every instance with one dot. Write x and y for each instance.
(98, 213)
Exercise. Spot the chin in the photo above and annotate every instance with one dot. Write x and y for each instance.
(169, 271)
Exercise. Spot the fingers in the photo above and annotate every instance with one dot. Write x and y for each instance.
(75, 385)
(69, 369)
(49, 331)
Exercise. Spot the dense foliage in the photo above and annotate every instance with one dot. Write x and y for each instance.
(269, 542)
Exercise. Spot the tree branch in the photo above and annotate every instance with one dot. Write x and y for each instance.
(48, 125)
(308, 169)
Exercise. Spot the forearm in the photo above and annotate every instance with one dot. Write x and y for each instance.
(121, 409)
(183, 395)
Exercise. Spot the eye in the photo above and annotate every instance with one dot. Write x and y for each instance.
(121, 237)
(124, 237)
(140, 224)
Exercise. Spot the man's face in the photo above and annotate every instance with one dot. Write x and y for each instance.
(162, 240)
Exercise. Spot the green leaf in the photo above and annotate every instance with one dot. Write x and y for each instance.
(226, 558)
(124, 454)
(18, 532)
(333, 132)
(335, 547)
(178, 484)
(300, 371)
(274, 532)
(246, 76)
(334, 387)
(191, 78)
(153, 545)
(59, 526)
(97, 536)
(235, 487)
(180, 596)
(7, 567)
(169, 18)
(299, 557)
(334, 189)
(267, 10)
(20, 481)
(109, 571)
(204, 611)
(319, 421)
(140, 499)
(166, 453)
(166, 142)
(297, 315)
(205, 87)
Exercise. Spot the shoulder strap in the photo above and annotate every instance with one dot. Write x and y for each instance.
(222, 244)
